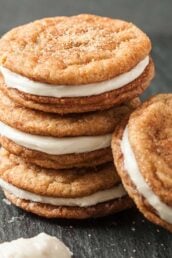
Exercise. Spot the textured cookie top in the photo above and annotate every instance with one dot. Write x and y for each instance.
(56, 183)
(73, 50)
(41, 123)
(150, 135)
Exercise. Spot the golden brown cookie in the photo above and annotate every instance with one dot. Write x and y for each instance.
(82, 104)
(38, 187)
(82, 51)
(46, 124)
(56, 183)
(49, 211)
(87, 159)
(73, 50)
(142, 150)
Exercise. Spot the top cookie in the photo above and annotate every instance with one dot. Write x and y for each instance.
(73, 50)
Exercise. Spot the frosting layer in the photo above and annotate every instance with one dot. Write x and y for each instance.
(40, 246)
(53, 145)
(26, 85)
(130, 164)
(98, 197)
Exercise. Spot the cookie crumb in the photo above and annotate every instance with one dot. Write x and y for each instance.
(133, 229)
(13, 219)
(6, 201)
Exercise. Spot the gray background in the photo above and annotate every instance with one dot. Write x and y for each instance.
(126, 234)
(153, 16)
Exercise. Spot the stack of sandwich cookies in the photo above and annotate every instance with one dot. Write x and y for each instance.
(65, 84)
(142, 150)
(107, 195)
(54, 141)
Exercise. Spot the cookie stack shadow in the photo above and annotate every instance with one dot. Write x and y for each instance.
(56, 159)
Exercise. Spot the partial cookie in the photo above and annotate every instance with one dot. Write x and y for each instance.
(49, 211)
(77, 193)
(64, 161)
(53, 141)
(84, 104)
(48, 124)
(142, 150)
(64, 72)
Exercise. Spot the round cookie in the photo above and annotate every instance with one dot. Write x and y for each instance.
(49, 124)
(71, 50)
(79, 191)
(143, 158)
(91, 62)
(69, 183)
(84, 104)
(64, 161)
(49, 211)
(45, 124)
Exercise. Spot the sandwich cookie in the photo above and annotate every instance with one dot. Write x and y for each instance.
(54, 141)
(77, 193)
(75, 64)
(142, 150)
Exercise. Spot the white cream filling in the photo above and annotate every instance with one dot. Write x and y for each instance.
(130, 164)
(40, 246)
(93, 199)
(53, 145)
(26, 85)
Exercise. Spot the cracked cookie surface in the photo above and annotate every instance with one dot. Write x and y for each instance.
(63, 184)
(73, 50)
(69, 183)
(48, 124)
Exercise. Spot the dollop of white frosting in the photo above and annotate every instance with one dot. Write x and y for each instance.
(21, 83)
(131, 166)
(86, 201)
(40, 246)
(53, 145)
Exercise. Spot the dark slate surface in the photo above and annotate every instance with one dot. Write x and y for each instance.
(127, 234)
